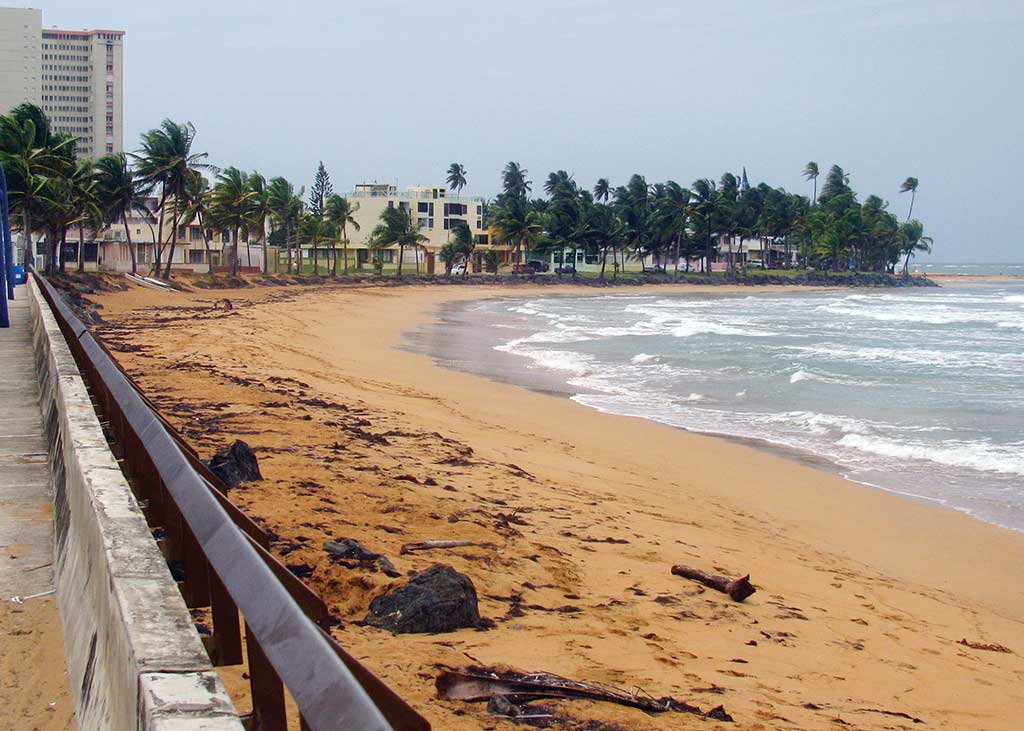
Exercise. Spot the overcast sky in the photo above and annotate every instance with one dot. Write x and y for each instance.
(395, 90)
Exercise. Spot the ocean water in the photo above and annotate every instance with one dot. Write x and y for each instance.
(975, 268)
(917, 391)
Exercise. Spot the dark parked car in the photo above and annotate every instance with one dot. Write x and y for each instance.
(566, 269)
(538, 265)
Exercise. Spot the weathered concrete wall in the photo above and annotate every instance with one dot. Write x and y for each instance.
(134, 659)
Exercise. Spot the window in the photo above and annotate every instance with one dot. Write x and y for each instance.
(591, 258)
(479, 223)
(391, 204)
(479, 209)
(427, 208)
(195, 256)
(195, 233)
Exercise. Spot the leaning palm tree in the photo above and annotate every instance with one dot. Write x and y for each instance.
(456, 177)
(811, 173)
(912, 240)
(231, 204)
(340, 211)
(671, 216)
(28, 164)
(602, 189)
(909, 185)
(120, 194)
(166, 159)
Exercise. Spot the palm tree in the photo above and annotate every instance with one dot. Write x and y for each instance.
(811, 173)
(29, 155)
(314, 229)
(259, 210)
(166, 159)
(515, 222)
(397, 227)
(672, 216)
(286, 206)
(198, 198)
(602, 189)
(83, 189)
(456, 177)
(558, 180)
(513, 179)
(706, 207)
(119, 195)
(341, 212)
(909, 185)
(913, 240)
(231, 203)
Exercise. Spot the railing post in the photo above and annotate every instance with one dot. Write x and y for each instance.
(267, 690)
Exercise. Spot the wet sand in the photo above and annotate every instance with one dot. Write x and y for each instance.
(862, 596)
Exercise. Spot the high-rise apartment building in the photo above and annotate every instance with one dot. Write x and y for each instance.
(77, 78)
(20, 35)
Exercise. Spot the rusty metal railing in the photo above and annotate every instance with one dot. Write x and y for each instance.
(221, 560)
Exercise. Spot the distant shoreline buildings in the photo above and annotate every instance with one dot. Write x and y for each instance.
(75, 76)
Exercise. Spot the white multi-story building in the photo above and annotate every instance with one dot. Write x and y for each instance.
(76, 76)
(434, 210)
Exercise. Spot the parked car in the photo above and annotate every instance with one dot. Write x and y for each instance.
(523, 269)
(565, 269)
(458, 269)
(538, 265)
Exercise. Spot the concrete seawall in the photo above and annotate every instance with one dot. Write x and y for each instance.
(134, 659)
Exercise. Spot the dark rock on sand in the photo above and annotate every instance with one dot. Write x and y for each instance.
(439, 599)
(236, 464)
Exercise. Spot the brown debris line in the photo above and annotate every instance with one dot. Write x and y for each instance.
(737, 589)
(990, 647)
(481, 684)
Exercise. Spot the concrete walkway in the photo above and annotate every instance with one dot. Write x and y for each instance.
(26, 500)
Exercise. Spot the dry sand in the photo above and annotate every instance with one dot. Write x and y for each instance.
(862, 596)
(33, 682)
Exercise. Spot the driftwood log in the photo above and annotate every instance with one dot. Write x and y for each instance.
(429, 545)
(481, 684)
(738, 589)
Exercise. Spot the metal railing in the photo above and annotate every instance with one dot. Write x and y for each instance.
(221, 560)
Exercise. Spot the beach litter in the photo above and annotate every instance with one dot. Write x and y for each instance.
(737, 589)
(488, 684)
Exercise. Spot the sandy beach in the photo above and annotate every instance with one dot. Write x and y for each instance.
(863, 597)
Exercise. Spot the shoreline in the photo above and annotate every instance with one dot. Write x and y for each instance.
(853, 581)
(549, 382)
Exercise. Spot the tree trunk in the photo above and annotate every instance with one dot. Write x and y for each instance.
(604, 261)
(131, 246)
(401, 252)
(30, 259)
(234, 253)
(60, 252)
(248, 252)
(344, 247)
(160, 232)
(265, 254)
(675, 272)
(174, 240)
(81, 247)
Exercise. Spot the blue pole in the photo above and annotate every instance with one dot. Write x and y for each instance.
(6, 253)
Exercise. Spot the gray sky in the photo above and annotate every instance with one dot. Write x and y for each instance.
(395, 90)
